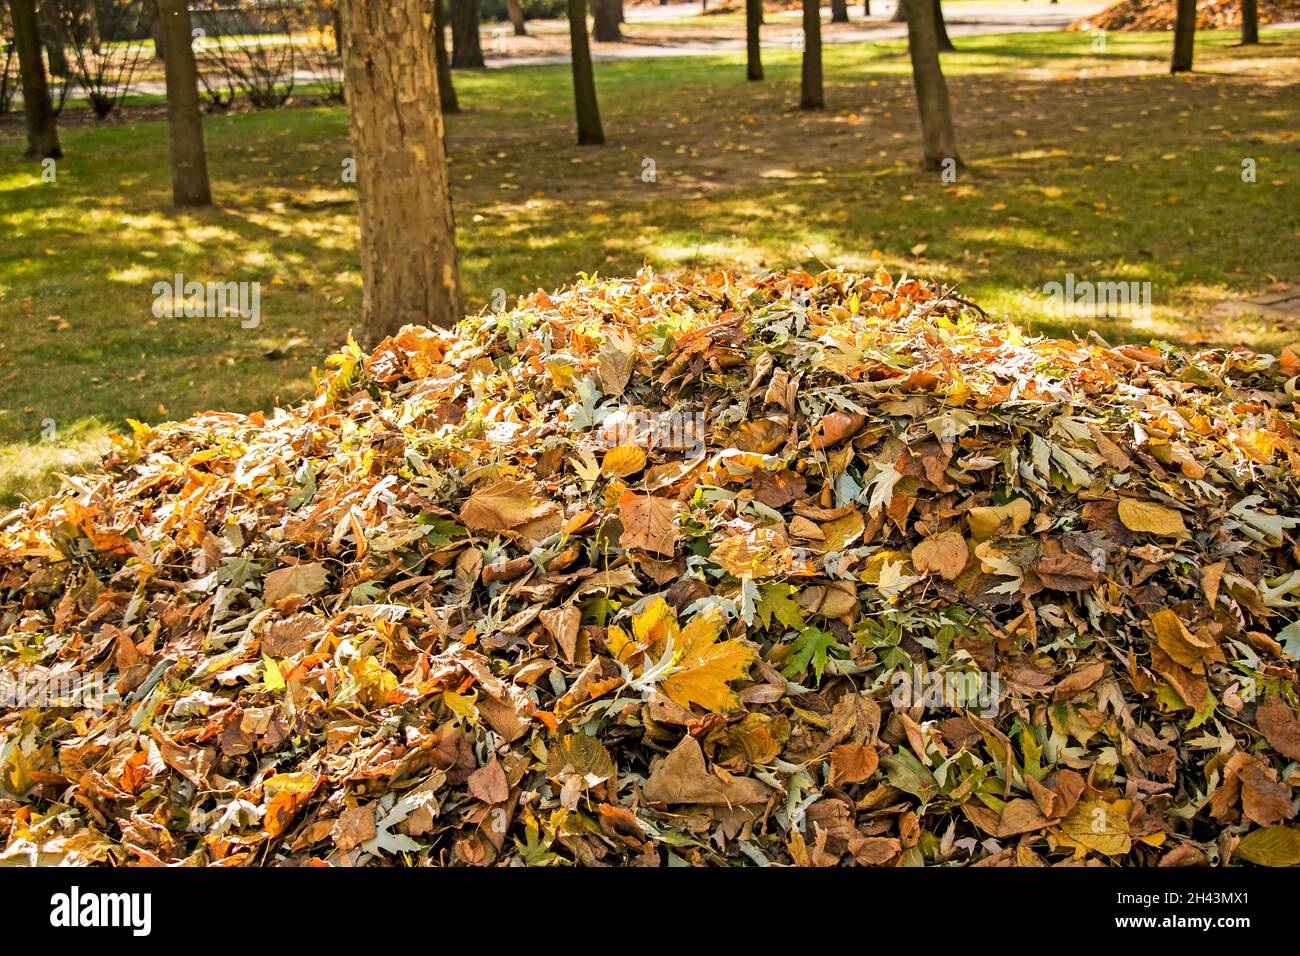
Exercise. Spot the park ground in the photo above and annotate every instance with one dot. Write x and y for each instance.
(1084, 161)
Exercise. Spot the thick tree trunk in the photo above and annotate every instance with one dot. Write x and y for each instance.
(590, 132)
(753, 53)
(839, 11)
(618, 11)
(42, 134)
(516, 14)
(941, 38)
(446, 88)
(1249, 22)
(1184, 36)
(810, 88)
(604, 22)
(408, 235)
(937, 134)
(184, 122)
(466, 48)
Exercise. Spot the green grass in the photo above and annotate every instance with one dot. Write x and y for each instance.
(1097, 164)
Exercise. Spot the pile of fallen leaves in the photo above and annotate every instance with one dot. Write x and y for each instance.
(712, 570)
(1143, 15)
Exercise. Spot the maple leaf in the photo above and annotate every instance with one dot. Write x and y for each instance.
(305, 578)
(811, 647)
(705, 665)
(777, 601)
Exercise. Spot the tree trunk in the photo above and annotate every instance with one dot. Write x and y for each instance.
(446, 89)
(336, 24)
(810, 89)
(1249, 22)
(866, 8)
(184, 122)
(516, 14)
(754, 56)
(941, 39)
(408, 234)
(155, 33)
(839, 11)
(604, 23)
(1184, 36)
(42, 134)
(938, 136)
(900, 12)
(619, 15)
(590, 132)
(466, 50)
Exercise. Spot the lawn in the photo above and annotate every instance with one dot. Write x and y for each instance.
(1093, 163)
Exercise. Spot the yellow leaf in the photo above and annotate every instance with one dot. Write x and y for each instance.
(1271, 846)
(986, 522)
(1100, 826)
(705, 665)
(271, 676)
(1187, 649)
(622, 461)
(1151, 518)
(762, 553)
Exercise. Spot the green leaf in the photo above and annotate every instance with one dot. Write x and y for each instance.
(813, 647)
(777, 601)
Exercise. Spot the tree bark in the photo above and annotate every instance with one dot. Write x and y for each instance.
(810, 87)
(839, 11)
(941, 38)
(938, 137)
(42, 134)
(466, 48)
(190, 185)
(1249, 22)
(1184, 36)
(590, 132)
(516, 15)
(446, 88)
(604, 22)
(753, 52)
(408, 234)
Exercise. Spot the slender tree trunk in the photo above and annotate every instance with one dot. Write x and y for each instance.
(155, 32)
(590, 132)
(938, 137)
(604, 23)
(336, 24)
(42, 134)
(810, 89)
(446, 88)
(866, 8)
(839, 11)
(941, 39)
(900, 12)
(753, 52)
(466, 48)
(184, 121)
(408, 234)
(1249, 22)
(1184, 36)
(516, 14)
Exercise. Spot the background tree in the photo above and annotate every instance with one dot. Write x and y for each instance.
(939, 139)
(839, 11)
(604, 21)
(753, 52)
(408, 234)
(516, 15)
(866, 8)
(466, 48)
(900, 12)
(590, 132)
(446, 88)
(810, 87)
(42, 134)
(190, 185)
(1249, 22)
(941, 38)
(1184, 36)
